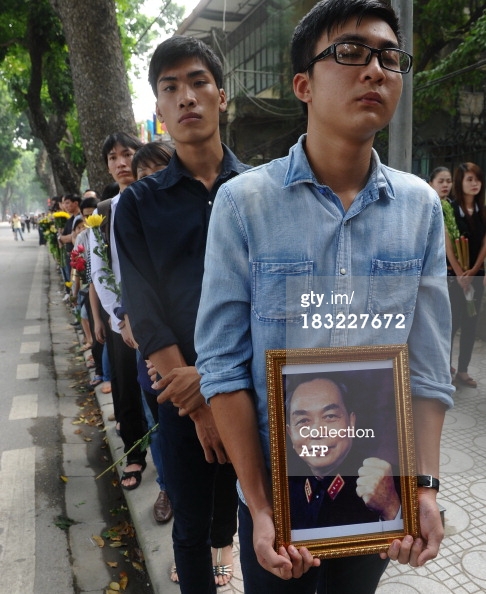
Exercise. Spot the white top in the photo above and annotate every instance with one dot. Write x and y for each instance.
(108, 299)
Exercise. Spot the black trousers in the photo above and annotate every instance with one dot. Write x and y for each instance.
(128, 408)
(461, 319)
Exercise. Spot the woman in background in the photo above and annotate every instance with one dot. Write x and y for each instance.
(467, 265)
(441, 180)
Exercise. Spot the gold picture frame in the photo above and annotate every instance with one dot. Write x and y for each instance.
(308, 496)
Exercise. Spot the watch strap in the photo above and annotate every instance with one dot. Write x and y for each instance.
(428, 481)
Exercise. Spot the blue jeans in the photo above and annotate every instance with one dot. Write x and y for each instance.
(346, 575)
(106, 364)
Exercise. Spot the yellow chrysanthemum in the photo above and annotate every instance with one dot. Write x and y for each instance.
(60, 214)
(68, 284)
(94, 221)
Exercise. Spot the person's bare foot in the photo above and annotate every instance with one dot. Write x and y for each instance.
(222, 564)
(173, 574)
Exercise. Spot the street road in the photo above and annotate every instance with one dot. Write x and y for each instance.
(33, 550)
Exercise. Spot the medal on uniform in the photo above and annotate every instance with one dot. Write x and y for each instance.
(335, 487)
(308, 490)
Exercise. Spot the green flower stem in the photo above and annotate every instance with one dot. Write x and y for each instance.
(143, 442)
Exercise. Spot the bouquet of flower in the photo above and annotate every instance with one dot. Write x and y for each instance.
(78, 261)
(49, 228)
(60, 218)
(94, 222)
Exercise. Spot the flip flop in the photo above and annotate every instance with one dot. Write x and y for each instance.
(96, 381)
(469, 382)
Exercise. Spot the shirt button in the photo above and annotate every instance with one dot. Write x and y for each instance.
(210, 202)
(342, 270)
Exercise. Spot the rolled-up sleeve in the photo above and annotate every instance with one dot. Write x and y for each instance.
(430, 335)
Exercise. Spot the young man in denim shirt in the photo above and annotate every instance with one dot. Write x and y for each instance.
(328, 216)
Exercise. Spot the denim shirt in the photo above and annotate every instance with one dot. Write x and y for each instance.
(278, 240)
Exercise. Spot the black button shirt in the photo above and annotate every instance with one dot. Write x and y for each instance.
(161, 225)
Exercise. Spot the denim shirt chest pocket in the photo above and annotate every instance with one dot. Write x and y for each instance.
(394, 287)
(277, 289)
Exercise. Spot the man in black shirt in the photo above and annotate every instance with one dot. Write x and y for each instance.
(160, 228)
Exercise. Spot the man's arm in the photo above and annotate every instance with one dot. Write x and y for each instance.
(428, 416)
(225, 351)
(181, 385)
(429, 348)
(99, 326)
(236, 421)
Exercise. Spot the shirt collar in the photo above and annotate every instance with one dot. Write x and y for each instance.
(299, 171)
(176, 171)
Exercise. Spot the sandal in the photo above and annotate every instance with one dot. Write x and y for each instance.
(96, 381)
(173, 574)
(222, 571)
(468, 381)
(136, 474)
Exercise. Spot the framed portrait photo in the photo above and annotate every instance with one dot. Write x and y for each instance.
(341, 446)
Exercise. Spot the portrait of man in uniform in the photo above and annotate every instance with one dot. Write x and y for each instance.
(342, 473)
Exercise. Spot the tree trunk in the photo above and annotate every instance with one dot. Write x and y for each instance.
(50, 130)
(99, 75)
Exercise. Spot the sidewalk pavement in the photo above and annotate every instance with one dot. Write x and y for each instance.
(461, 565)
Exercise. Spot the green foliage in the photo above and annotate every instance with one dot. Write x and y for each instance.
(9, 152)
(139, 32)
(22, 186)
(450, 40)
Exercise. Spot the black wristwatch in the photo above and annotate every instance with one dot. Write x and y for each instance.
(427, 480)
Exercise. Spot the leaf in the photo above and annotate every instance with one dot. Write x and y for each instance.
(115, 586)
(63, 478)
(64, 523)
(137, 566)
(123, 580)
(98, 540)
(116, 545)
(112, 564)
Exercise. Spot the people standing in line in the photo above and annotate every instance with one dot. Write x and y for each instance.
(466, 268)
(117, 151)
(70, 204)
(441, 180)
(16, 227)
(149, 158)
(161, 227)
(304, 222)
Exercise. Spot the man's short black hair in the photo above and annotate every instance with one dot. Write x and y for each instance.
(89, 202)
(292, 382)
(121, 138)
(177, 48)
(328, 14)
(72, 197)
(152, 153)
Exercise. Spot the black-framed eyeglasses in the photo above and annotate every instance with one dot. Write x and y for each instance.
(359, 54)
